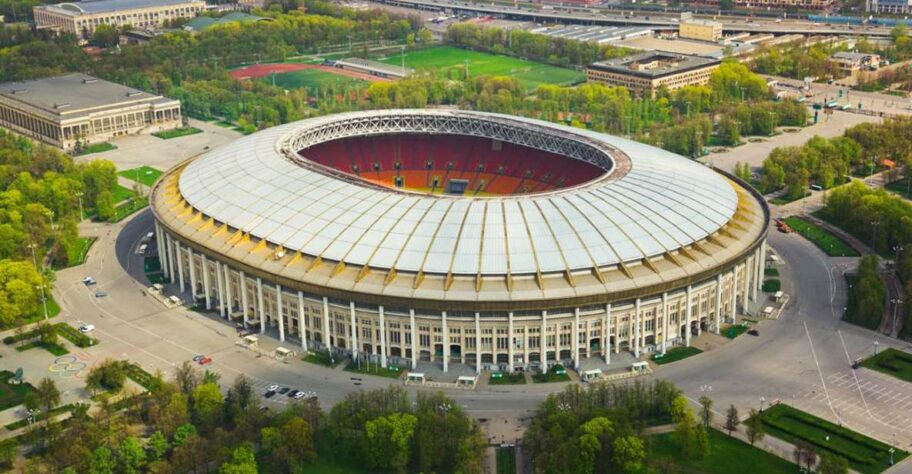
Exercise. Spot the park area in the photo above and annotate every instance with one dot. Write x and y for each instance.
(826, 240)
(891, 362)
(451, 60)
(865, 455)
(146, 175)
(727, 455)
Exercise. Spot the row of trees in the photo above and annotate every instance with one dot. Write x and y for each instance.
(867, 295)
(188, 425)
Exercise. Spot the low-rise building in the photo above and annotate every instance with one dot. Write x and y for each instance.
(77, 108)
(646, 73)
(81, 18)
(896, 7)
(703, 30)
(374, 68)
(850, 63)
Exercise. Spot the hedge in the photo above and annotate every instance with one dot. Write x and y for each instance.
(140, 376)
(42, 416)
(73, 335)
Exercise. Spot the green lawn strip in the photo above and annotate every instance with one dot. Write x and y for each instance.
(732, 332)
(499, 378)
(73, 335)
(727, 455)
(822, 238)
(41, 417)
(124, 210)
(675, 354)
(556, 373)
(122, 194)
(771, 272)
(321, 358)
(891, 362)
(51, 347)
(140, 376)
(177, 133)
(97, 148)
(314, 80)
(12, 394)
(374, 369)
(865, 455)
(785, 199)
(506, 460)
(77, 255)
(771, 286)
(146, 175)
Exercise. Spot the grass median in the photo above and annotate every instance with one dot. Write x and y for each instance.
(727, 455)
(822, 238)
(675, 354)
(891, 362)
(177, 133)
(374, 369)
(499, 378)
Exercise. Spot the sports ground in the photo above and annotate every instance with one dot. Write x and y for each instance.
(450, 60)
(309, 76)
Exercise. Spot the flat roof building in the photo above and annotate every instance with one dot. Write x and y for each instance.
(850, 63)
(703, 30)
(645, 73)
(81, 18)
(597, 34)
(374, 68)
(64, 110)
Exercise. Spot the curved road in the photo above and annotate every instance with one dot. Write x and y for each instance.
(803, 358)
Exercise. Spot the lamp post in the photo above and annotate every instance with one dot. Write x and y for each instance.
(874, 225)
(79, 197)
(896, 302)
(43, 300)
(876, 343)
(897, 248)
(762, 399)
(772, 122)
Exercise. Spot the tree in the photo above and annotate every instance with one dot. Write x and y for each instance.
(594, 436)
(832, 464)
(102, 461)
(208, 404)
(242, 462)
(105, 36)
(157, 445)
(687, 432)
(629, 453)
(132, 456)
(187, 378)
(706, 414)
(110, 375)
(388, 440)
(754, 427)
(48, 394)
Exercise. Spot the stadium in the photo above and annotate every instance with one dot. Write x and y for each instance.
(458, 237)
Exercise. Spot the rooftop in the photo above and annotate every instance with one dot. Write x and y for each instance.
(376, 66)
(702, 22)
(853, 56)
(72, 94)
(598, 34)
(103, 6)
(654, 64)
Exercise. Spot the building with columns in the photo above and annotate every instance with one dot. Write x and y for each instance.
(555, 244)
(76, 108)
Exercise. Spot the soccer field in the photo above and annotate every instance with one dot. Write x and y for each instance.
(313, 79)
(446, 58)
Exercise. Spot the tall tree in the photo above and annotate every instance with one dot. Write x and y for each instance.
(755, 430)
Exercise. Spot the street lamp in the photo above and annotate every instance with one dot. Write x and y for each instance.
(43, 300)
(79, 195)
(896, 302)
(762, 399)
(876, 343)
(897, 248)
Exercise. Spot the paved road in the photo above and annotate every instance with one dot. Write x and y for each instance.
(803, 358)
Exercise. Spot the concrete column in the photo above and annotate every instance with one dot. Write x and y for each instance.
(510, 341)
(354, 331)
(414, 330)
(477, 343)
(326, 322)
(543, 347)
(745, 292)
(229, 301)
(278, 290)
(261, 305)
(383, 342)
(574, 343)
(220, 285)
(636, 329)
(525, 346)
(734, 296)
(207, 288)
(761, 265)
(192, 275)
(162, 253)
(664, 322)
(171, 259)
(244, 301)
(302, 321)
(696, 317)
(606, 341)
(718, 304)
(446, 341)
(689, 314)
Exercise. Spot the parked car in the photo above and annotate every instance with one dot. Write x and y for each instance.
(753, 332)
(86, 328)
(284, 390)
(198, 358)
(293, 394)
(205, 361)
(272, 388)
(301, 395)
(101, 294)
(88, 281)
(269, 394)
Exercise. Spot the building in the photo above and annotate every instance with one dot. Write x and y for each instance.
(645, 73)
(344, 232)
(64, 110)
(81, 18)
(596, 34)
(702, 30)
(201, 23)
(896, 7)
(373, 68)
(850, 63)
(758, 5)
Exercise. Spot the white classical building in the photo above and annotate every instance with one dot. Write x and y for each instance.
(81, 18)
(288, 232)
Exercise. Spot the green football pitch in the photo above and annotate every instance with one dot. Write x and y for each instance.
(314, 79)
(450, 60)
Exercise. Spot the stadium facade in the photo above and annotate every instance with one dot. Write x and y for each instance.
(460, 237)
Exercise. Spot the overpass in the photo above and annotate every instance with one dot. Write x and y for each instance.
(654, 20)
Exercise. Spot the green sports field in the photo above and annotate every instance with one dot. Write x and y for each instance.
(447, 58)
(314, 79)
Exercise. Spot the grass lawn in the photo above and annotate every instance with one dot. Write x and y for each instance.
(556, 373)
(451, 60)
(771, 272)
(124, 210)
(675, 354)
(865, 455)
(785, 200)
(826, 240)
(97, 148)
(321, 358)
(225, 124)
(726, 456)
(314, 80)
(12, 394)
(372, 369)
(327, 466)
(771, 286)
(177, 132)
(891, 362)
(732, 332)
(506, 460)
(121, 194)
(53, 310)
(55, 349)
(76, 256)
(516, 378)
(146, 175)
